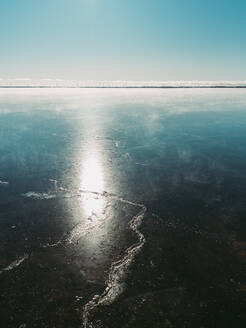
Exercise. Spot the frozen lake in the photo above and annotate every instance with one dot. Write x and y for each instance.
(122, 208)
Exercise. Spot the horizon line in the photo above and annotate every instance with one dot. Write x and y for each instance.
(124, 87)
(61, 83)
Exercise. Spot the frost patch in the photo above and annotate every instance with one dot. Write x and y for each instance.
(15, 264)
(3, 183)
(39, 195)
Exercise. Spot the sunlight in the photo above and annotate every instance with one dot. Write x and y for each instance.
(92, 182)
(92, 172)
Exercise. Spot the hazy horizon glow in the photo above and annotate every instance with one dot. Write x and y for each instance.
(123, 40)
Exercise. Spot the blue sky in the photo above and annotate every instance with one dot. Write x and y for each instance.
(123, 40)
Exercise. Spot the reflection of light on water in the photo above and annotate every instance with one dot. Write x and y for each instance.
(92, 180)
(93, 206)
(92, 173)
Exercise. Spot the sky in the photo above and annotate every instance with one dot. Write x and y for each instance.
(123, 39)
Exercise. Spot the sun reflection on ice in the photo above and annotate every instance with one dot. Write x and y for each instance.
(92, 182)
(92, 171)
(93, 206)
